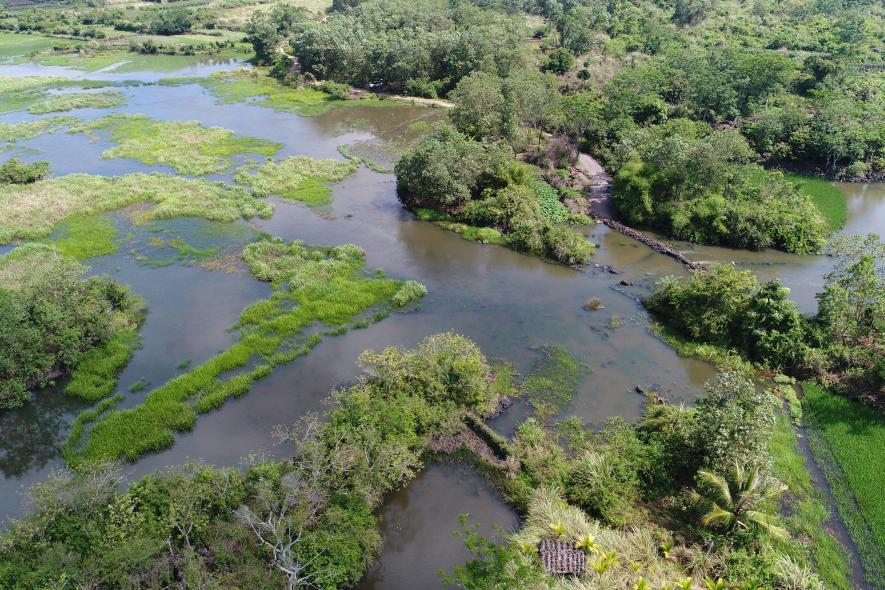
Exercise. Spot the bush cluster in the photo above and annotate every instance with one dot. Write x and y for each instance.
(481, 184)
(51, 318)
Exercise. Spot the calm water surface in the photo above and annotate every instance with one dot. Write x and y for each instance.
(510, 304)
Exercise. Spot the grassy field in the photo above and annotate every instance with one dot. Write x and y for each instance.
(19, 94)
(187, 146)
(806, 511)
(300, 178)
(12, 44)
(848, 441)
(29, 212)
(312, 287)
(826, 197)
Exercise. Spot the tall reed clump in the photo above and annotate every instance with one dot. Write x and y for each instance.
(313, 286)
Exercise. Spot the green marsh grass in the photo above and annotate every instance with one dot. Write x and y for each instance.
(78, 100)
(313, 287)
(21, 93)
(12, 132)
(187, 146)
(847, 439)
(826, 197)
(300, 178)
(83, 237)
(257, 87)
(95, 377)
(29, 212)
(553, 383)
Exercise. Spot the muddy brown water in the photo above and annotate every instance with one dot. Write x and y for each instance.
(509, 303)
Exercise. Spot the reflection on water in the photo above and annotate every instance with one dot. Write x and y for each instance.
(417, 525)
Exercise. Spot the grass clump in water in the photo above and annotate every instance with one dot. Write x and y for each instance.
(300, 178)
(83, 237)
(846, 438)
(828, 199)
(78, 100)
(313, 286)
(258, 88)
(95, 377)
(29, 212)
(553, 383)
(20, 93)
(12, 132)
(187, 146)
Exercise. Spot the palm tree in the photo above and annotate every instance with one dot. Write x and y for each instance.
(728, 502)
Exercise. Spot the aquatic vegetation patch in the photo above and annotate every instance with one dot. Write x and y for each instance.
(313, 287)
(845, 436)
(69, 101)
(95, 377)
(828, 199)
(21, 93)
(806, 511)
(256, 87)
(552, 385)
(187, 146)
(83, 237)
(12, 132)
(483, 235)
(29, 212)
(192, 241)
(300, 178)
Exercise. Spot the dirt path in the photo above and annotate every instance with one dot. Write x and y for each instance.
(597, 183)
(433, 102)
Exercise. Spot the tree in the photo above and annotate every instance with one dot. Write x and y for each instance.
(559, 62)
(479, 106)
(733, 422)
(736, 500)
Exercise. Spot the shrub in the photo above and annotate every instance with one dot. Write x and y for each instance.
(13, 171)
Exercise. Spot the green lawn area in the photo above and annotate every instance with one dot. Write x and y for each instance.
(826, 197)
(848, 440)
(12, 44)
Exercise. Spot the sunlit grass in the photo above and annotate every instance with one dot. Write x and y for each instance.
(85, 237)
(95, 377)
(807, 512)
(847, 439)
(12, 132)
(826, 197)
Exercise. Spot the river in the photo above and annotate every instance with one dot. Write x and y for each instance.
(509, 303)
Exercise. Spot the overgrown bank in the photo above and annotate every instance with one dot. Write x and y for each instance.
(53, 321)
(309, 520)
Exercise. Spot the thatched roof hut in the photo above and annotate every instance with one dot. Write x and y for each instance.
(561, 557)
